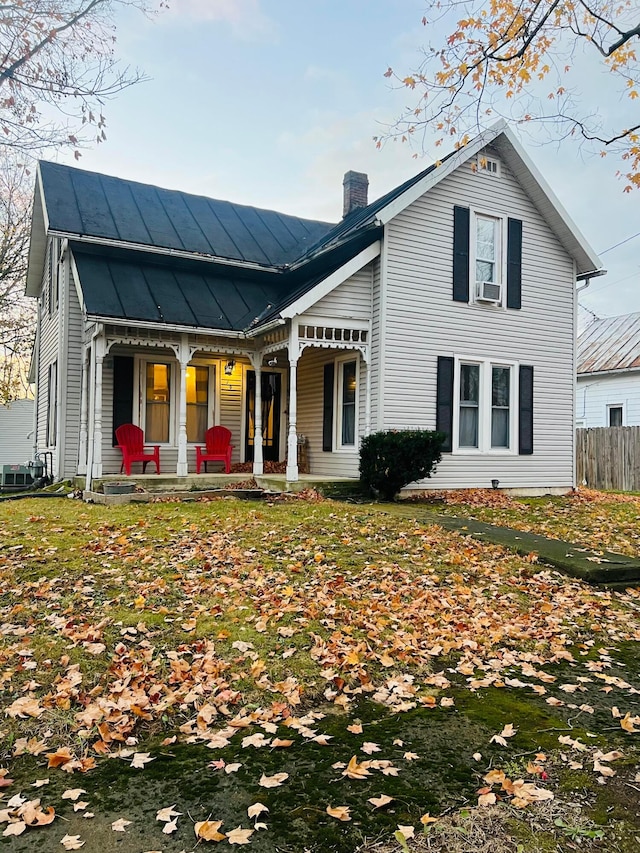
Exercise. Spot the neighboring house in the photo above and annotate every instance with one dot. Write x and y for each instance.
(16, 432)
(608, 392)
(448, 303)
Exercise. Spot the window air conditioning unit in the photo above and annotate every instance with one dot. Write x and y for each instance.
(489, 291)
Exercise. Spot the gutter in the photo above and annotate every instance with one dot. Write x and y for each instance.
(587, 276)
(616, 371)
(171, 327)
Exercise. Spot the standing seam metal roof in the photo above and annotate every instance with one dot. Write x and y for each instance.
(612, 343)
(85, 203)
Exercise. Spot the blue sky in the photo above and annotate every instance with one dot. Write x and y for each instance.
(269, 102)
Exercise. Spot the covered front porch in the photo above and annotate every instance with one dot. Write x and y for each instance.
(297, 398)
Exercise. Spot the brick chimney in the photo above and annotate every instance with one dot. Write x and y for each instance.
(356, 186)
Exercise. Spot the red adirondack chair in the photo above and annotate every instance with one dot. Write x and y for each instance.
(131, 443)
(218, 448)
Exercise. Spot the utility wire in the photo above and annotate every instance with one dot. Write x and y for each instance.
(621, 243)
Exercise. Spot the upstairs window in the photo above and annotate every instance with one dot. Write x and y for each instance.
(488, 258)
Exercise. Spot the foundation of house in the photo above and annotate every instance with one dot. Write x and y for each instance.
(152, 486)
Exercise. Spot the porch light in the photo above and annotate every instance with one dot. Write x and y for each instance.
(229, 367)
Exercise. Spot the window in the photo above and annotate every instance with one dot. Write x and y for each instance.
(197, 403)
(487, 258)
(52, 405)
(484, 414)
(158, 403)
(347, 399)
(469, 404)
(488, 165)
(488, 264)
(615, 415)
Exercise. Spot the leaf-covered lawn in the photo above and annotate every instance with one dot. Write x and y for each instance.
(323, 673)
(605, 521)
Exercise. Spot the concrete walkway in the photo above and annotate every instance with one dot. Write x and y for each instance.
(597, 567)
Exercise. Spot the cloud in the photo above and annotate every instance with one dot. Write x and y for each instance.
(246, 18)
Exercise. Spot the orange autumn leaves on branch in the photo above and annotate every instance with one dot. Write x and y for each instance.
(537, 60)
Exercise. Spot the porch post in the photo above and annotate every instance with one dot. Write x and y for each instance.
(292, 441)
(258, 464)
(367, 411)
(182, 468)
(97, 409)
(84, 410)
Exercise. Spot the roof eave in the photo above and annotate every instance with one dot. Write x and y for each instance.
(37, 240)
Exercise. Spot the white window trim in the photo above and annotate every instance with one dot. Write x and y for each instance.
(617, 406)
(339, 447)
(483, 157)
(140, 389)
(501, 261)
(484, 408)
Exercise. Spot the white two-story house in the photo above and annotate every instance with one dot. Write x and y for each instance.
(448, 303)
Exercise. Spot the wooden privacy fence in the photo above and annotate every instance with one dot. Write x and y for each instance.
(609, 458)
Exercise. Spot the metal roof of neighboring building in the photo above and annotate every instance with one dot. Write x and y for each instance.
(612, 343)
(82, 203)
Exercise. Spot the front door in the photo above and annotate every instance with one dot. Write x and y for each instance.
(271, 407)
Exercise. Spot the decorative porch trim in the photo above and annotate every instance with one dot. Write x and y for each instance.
(327, 333)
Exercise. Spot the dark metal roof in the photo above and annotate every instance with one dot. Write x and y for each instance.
(138, 286)
(612, 343)
(89, 204)
(127, 284)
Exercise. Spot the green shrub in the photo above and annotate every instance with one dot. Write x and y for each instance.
(390, 460)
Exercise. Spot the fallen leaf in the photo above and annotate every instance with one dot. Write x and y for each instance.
(339, 812)
(73, 793)
(170, 826)
(208, 830)
(256, 809)
(487, 799)
(380, 801)
(16, 828)
(353, 770)
(426, 819)
(232, 768)
(273, 781)
(140, 759)
(240, 836)
(120, 825)
(406, 831)
(167, 813)
(72, 842)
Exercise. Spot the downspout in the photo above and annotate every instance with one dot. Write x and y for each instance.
(92, 407)
(37, 372)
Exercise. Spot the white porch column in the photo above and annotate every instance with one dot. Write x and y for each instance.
(367, 410)
(182, 468)
(258, 464)
(97, 409)
(292, 440)
(84, 411)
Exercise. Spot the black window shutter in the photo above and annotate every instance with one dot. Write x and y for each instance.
(525, 419)
(514, 263)
(122, 392)
(444, 400)
(461, 219)
(327, 408)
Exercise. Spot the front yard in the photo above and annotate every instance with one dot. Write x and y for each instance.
(308, 675)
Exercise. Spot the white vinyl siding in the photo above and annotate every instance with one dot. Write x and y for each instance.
(351, 299)
(309, 422)
(597, 394)
(49, 351)
(16, 432)
(423, 322)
